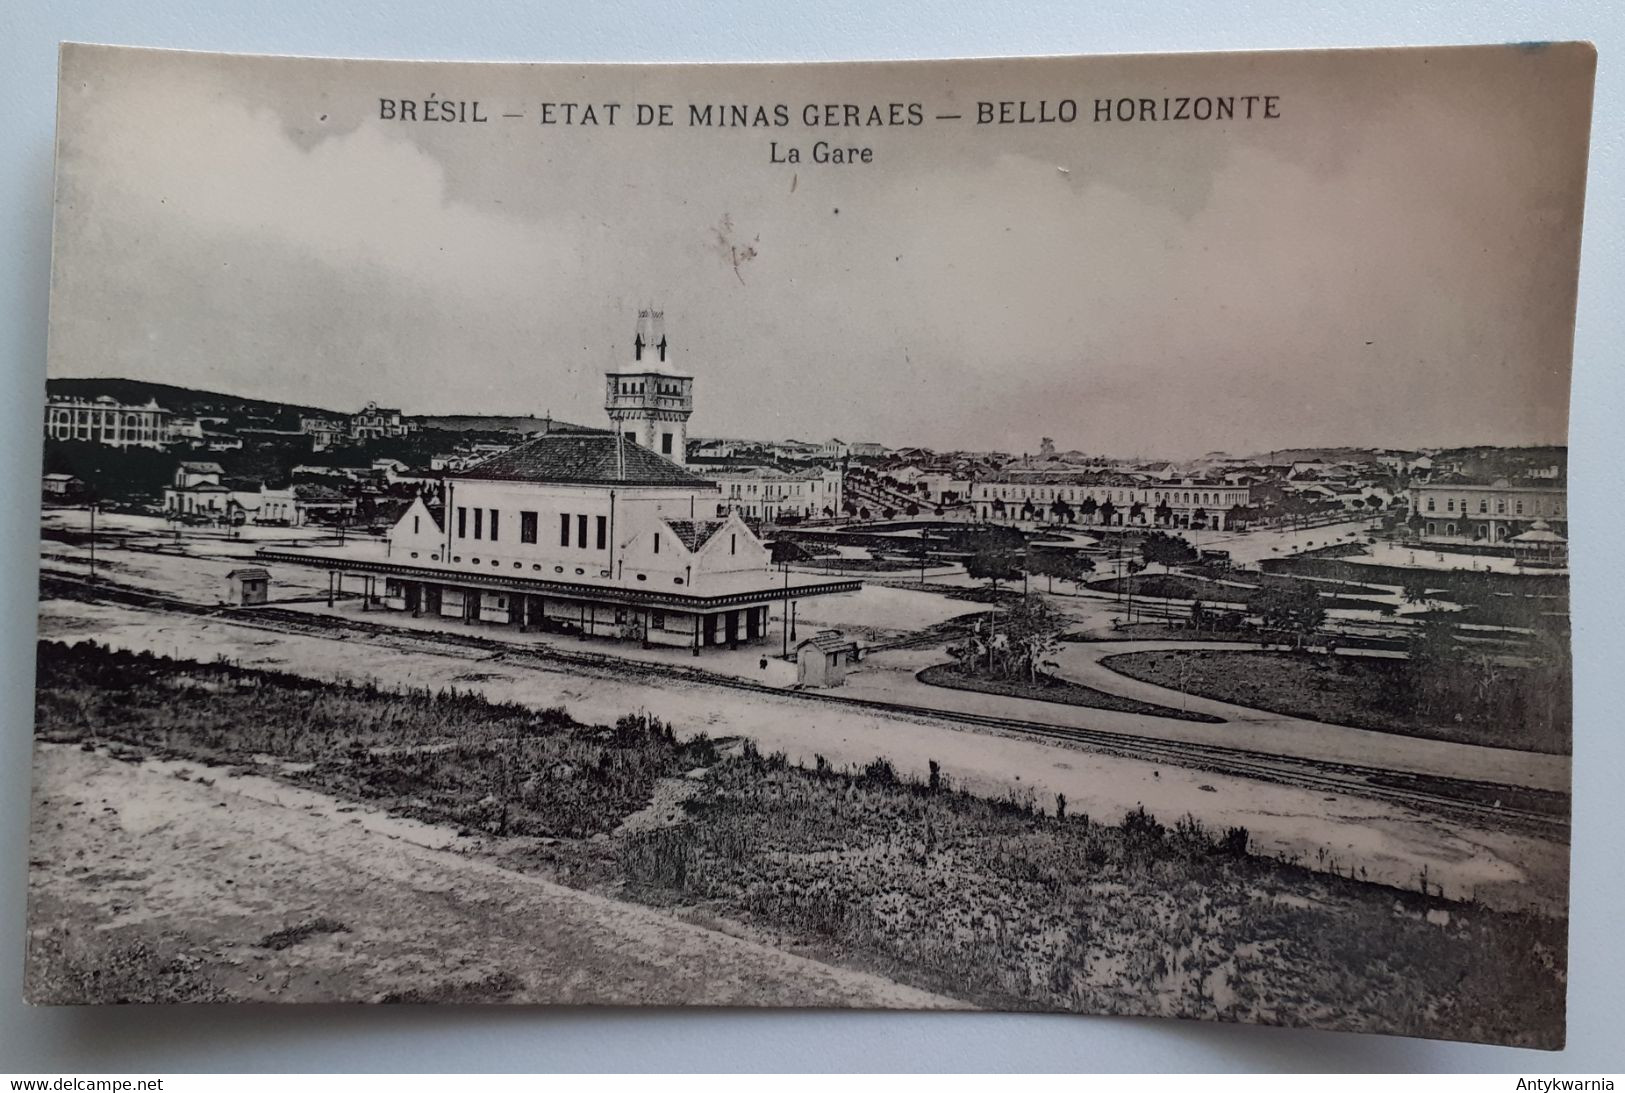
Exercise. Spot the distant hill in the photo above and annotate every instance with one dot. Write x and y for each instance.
(494, 423)
(186, 401)
(1311, 455)
(240, 411)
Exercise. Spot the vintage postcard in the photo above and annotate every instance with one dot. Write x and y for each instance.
(1068, 534)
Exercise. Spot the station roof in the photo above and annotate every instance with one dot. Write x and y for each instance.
(584, 459)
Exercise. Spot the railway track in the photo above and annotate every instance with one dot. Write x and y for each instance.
(1543, 813)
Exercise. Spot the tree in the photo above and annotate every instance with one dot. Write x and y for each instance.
(1088, 508)
(1237, 515)
(1062, 512)
(1044, 563)
(1069, 565)
(1160, 548)
(1166, 550)
(786, 552)
(993, 560)
(1414, 589)
(1032, 629)
(1077, 568)
(1135, 512)
(1108, 511)
(1163, 513)
(1296, 506)
(1296, 610)
(1199, 518)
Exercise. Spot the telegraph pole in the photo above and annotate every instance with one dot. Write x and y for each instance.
(92, 540)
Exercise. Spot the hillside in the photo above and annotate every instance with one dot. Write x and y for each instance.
(495, 423)
(186, 401)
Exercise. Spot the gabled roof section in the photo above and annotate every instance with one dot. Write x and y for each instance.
(829, 641)
(584, 459)
(694, 534)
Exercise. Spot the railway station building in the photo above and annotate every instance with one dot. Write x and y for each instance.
(596, 534)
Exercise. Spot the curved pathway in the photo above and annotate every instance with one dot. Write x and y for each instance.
(1283, 734)
(890, 677)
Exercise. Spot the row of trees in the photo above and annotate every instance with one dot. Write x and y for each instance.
(1002, 554)
(1106, 512)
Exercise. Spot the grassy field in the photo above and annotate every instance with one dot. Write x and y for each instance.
(1157, 586)
(1013, 903)
(1052, 689)
(1365, 692)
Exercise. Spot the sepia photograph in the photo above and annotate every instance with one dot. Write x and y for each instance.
(1062, 534)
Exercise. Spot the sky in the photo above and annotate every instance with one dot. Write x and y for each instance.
(1390, 261)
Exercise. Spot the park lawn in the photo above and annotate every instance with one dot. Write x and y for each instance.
(1364, 692)
(1011, 904)
(1174, 586)
(1053, 689)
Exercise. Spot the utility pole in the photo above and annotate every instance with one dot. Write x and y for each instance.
(93, 540)
(784, 619)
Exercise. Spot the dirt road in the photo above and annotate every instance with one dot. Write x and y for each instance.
(1392, 842)
(205, 869)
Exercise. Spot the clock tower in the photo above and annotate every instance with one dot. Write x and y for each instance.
(648, 399)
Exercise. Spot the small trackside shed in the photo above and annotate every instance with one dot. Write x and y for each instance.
(247, 586)
(823, 659)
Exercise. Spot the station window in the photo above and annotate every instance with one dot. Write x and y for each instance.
(564, 529)
(493, 525)
(462, 522)
(581, 531)
(603, 533)
(527, 527)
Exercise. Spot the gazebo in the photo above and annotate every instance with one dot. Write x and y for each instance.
(1541, 546)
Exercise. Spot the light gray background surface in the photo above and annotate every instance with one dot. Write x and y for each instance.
(265, 1038)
